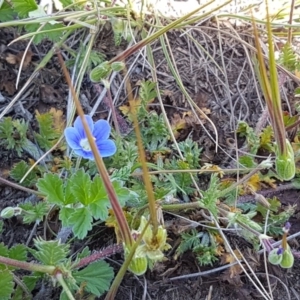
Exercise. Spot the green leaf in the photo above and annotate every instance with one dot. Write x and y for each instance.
(69, 198)
(50, 252)
(19, 170)
(97, 277)
(82, 222)
(3, 252)
(52, 186)
(13, 134)
(35, 212)
(84, 253)
(99, 199)
(123, 193)
(252, 139)
(147, 91)
(23, 7)
(81, 186)
(210, 196)
(47, 135)
(7, 284)
(18, 252)
(65, 214)
(66, 2)
(247, 161)
(6, 12)
(29, 282)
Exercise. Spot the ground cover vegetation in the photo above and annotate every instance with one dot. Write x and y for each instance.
(127, 168)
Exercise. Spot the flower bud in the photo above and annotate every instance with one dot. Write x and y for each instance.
(100, 72)
(9, 212)
(117, 66)
(287, 259)
(138, 265)
(285, 164)
(139, 262)
(275, 256)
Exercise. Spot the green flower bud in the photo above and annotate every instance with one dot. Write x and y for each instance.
(100, 72)
(139, 262)
(275, 256)
(285, 164)
(287, 259)
(117, 66)
(138, 265)
(9, 212)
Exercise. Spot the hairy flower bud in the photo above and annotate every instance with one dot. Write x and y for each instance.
(117, 66)
(285, 164)
(100, 72)
(9, 212)
(287, 259)
(139, 262)
(275, 256)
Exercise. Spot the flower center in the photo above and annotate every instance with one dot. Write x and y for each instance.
(84, 143)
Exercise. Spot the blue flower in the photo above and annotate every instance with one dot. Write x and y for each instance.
(77, 139)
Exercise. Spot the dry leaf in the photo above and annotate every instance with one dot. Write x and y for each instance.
(214, 168)
(58, 120)
(7, 82)
(125, 109)
(177, 124)
(253, 184)
(16, 59)
(228, 258)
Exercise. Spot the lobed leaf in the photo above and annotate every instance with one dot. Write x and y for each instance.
(81, 219)
(97, 277)
(23, 7)
(19, 170)
(7, 284)
(52, 187)
(50, 252)
(6, 12)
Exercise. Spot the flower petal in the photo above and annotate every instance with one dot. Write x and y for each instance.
(101, 130)
(79, 126)
(84, 154)
(106, 148)
(72, 137)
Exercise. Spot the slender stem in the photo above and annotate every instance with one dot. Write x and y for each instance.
(244, 179)
(111, 250)
(27, 266)
(19, 187)
(289, 39)
(65, 287)
(114, 286)
(122, 222)
(146, 176)
(181, 206)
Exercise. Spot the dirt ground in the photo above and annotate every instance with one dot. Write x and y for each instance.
(203, 82)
